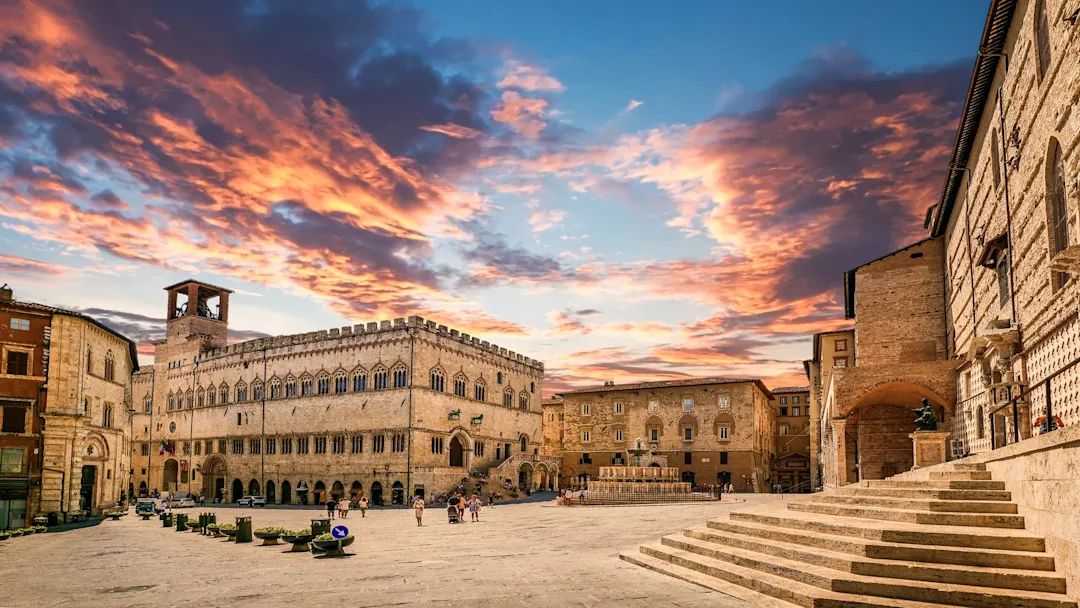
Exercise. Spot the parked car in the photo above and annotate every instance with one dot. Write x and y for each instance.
(181, 503)
(145, 505)
(251, 501)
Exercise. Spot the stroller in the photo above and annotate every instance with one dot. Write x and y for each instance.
(453, 514)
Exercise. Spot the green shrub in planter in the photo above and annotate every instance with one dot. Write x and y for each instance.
(227, 529)
(269, 535)
(39, 529)
(5, 535)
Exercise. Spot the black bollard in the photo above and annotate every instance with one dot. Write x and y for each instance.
(243, 529)
(181, 522)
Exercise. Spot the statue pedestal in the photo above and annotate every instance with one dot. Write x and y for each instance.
(929, 448)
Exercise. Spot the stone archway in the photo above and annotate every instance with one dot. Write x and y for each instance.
(376, 494)
(286, 492)
(397, 495)
(253, 487)
(271, 495)
(356, 490)
(873, 441)
(337, 490)
(237, 490)
(525, 475)
(214, 473)
(457, 452)
(170, 476)
(319, 492)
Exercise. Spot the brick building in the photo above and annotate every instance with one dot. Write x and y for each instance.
(791, 468)
(712, 429)
(382, 409)
(64, 396)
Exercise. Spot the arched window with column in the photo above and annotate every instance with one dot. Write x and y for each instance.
(1042, 38)
(110, 366)
(523, 401)
(401, 376)
(341, 381)
(438, 380)
(460, 382)
(508, 397)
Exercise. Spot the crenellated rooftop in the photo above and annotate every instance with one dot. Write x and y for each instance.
(372, 328)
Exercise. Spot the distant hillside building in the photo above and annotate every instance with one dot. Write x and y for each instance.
(791, 469)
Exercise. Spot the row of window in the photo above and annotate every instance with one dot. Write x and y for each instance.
(19, 324)
(285, 445)
(794, 399)
(617, 458)
(723, 402)
(325, 384)
(795, 411)
(722, 433)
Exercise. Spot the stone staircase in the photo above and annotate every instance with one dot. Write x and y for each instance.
(952, 540)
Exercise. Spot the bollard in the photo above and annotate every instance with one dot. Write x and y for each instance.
(202, 524)
(161, 516)
(243, 529)
(181, 522)
(166, 522)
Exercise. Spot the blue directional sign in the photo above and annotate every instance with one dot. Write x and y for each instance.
(339, 532)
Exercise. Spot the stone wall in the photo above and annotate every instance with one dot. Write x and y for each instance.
(900, 307)
(1006, 193)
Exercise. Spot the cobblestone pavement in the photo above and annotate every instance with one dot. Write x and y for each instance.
(533, 554)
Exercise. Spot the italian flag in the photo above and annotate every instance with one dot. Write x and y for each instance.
(164, 446)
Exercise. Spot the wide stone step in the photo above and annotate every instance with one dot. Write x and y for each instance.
(898, 532)
(854, 545)
(968, 466)
(927, 492)
(844, 582)
(940, 506)
(944, 484)
(886, 568)
(960, 475)
(986, 520)
(771, 591)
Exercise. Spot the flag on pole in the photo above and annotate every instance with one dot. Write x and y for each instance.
(164, 446)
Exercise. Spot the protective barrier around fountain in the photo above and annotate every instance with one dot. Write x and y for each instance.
(642, 485)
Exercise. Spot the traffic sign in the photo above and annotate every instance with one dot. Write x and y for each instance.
(339, 532)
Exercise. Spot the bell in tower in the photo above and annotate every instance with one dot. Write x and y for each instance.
(198, 309)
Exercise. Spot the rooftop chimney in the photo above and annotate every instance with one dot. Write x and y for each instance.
(5, 293)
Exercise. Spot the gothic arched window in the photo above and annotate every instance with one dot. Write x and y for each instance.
(523, 401)
(275, 388)
(290, 387)
(223, 393)
(480, 391)
(459, 384)
(110, 366)
(200, 397)
(324, 384)
(438, 380)
(508, 397)
(257, 390)
(380, 375)
(401, 376)
(359, 381)
(306, 385)
(341, 382)
(211, 396)
(1042, 38)
(241, 392)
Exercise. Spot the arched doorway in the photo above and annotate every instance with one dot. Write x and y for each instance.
(286, 493)
(397, 495)
(237, 490)
(873, 441)
(523, 444)
(214, 473)
(356, 490)
(376, 493)
(271, 498)
(338, 490)
(171, 475)
(142, 490)
(319, 492)
(457, 452)
(525, 476)
(253, 487)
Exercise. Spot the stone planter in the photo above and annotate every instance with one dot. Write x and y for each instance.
(269, 539)
(213, 530)
(16, 533)
(145, 516)
(299, 542)
(334, 548)
(231, 534)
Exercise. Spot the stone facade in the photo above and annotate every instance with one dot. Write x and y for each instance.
(709, 428)
(832, 350)
(382, 409)
(791, 469)
(1011, 307)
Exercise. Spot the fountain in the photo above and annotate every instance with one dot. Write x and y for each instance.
(649, 483)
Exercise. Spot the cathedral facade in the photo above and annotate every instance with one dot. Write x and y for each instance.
(386, 409)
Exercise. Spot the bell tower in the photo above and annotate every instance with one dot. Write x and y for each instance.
(198, 310)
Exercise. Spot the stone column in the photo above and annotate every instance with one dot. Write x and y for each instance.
(839, 445)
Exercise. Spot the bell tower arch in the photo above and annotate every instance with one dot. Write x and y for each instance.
(198, 309)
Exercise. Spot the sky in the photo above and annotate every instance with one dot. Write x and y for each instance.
(622, 192)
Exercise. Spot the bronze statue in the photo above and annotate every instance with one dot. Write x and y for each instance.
(454, 415)
(477, 419)
(927, 420)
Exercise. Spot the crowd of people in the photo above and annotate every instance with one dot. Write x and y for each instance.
(346, 504)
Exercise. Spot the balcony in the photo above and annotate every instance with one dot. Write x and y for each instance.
(1066, 260)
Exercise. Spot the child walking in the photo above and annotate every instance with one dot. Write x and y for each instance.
(418, 509)
(474, 508)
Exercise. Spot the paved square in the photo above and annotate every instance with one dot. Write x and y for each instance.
(533, 554)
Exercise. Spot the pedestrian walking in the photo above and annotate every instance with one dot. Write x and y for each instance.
(363, 506)
(418, 510)
(202, 500)
(474, 508)
(330, 504)
(491, 499)
(343, 508)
